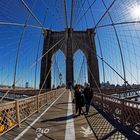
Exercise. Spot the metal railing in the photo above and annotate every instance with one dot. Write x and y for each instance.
(126, 112)
(14, 112)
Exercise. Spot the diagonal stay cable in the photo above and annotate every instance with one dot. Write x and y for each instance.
(94, 79)
(112, 69)
(105, 13)
(48, 72)
(78, 78)
(38, 49)
(40, 58)
(31, 66)
(79, 9)
(90, 70)
(31, 12)
(84, 13)
(57, 66)
(39, 42)
(103, 60)
(99, 41)
(19, 45)
(119, 23)
(45, 79)
(19, 24)
(119, 44)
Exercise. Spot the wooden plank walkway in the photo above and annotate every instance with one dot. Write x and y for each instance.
(57, 122)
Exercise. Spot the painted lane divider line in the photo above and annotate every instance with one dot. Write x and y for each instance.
(70, 130)
(28, 127)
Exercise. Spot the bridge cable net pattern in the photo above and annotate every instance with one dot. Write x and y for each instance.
(15, 112)
(22, 26)
(116, 24)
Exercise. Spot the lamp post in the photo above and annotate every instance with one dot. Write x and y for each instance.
(60, 77)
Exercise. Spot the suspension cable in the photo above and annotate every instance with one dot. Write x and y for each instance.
(105, 13)
(31, 12)
(66, 18)
(111, 68)
(99, 43)
(80, 70)
(84, 13)
(118, 23)
(38, 52)
(19, 24)
(119, 45)
(31, 66)
(18, 48)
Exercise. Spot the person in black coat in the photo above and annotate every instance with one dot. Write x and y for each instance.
(78, 96)
(88, 94)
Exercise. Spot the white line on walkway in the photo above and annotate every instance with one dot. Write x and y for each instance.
(70, 130)
(26, 129)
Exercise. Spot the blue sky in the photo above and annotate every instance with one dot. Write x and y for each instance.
(83, 17)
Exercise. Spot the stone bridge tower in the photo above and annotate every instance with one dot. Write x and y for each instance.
(73, 40)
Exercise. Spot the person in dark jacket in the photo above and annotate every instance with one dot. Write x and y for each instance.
(88, 94)
(78, 94)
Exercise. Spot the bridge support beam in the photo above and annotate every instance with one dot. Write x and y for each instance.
(46, 63)
(93, 69)
(93, 72)
(48, 71)
(74, 40)
(69, 60)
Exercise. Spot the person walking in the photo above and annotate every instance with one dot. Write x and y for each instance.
(88, 95)
(78, 101)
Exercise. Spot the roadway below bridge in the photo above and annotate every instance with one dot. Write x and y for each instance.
(32, 92)
(57, 121)
(24, 91)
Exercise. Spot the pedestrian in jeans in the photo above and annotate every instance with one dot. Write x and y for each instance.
(88, 94)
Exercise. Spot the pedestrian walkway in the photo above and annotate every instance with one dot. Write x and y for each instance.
(102, 128)
(57, 121)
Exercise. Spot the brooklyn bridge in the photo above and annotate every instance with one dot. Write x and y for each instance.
(47, 47)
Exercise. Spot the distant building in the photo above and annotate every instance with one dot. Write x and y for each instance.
(27, 85)
(106, 85)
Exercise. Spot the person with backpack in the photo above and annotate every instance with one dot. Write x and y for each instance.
(88, 95)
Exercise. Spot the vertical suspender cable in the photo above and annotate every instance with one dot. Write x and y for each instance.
(19, 46)
(99, 46)
(38, 51)
(71, 17)
(66, 18)
(119, 45)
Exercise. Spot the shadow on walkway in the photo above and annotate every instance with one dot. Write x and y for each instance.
(59, 119)
(105, 127)
(63, 103)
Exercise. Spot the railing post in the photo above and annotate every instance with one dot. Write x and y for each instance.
(46, 98)
(122, 111)
(17, 113)
(37, 103)
(55, 94)
(102, 102)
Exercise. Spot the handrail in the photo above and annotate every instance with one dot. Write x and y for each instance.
(126, 112)
(12, 113)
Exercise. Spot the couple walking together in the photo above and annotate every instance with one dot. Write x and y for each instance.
(83, 98)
